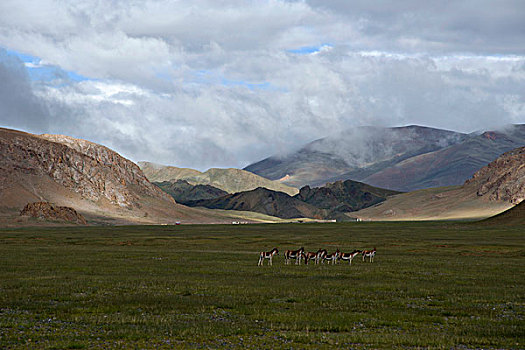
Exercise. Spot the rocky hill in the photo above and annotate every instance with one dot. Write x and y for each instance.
(49, 211)
(94, 180)
(319, 203)
(229, 180)
(265, 201)
(344, 196)
(402, 159)
(503, 179)
(92, 170)
(183, 192)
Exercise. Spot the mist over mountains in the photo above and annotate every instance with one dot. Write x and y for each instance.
(402, 158)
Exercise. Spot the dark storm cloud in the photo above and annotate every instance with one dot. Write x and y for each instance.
(19, 107)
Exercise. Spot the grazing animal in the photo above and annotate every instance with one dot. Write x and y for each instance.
(321, 253)
(310, 256)
(267, 255)
(303, 257)
(350, 256)
(293, 254)
(332, 257)
(369, 253)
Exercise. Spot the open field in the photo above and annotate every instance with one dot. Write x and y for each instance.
(435, 285)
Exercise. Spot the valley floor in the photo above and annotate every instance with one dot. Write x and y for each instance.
(432, 285)
(440, 203)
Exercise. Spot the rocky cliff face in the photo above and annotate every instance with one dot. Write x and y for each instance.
(49, 211)
(503, 179)
(93, 171)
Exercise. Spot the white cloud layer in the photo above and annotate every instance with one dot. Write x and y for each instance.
(224, 83)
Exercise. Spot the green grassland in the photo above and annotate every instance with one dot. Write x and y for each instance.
(432, 285)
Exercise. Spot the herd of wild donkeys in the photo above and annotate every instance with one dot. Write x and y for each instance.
(318, 257)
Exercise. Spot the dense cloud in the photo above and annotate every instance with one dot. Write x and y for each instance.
(19, 107)
(208, 83)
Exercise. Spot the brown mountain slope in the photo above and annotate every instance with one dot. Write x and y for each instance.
(353, 154)
(491, 190)
(451, 165)
(94, 180)
(503, 179)
(229, 180)
(90, 169)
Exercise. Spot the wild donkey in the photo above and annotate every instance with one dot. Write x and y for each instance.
(333, 257)
(293, 254)
(350, 256)
(369, 253)
(267, 255)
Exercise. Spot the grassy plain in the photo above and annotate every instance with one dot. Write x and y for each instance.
(432, 285)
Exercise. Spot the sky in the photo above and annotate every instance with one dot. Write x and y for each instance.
(225, 83)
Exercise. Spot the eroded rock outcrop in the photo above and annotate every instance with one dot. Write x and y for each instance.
(93, 171)
(502, 179)
(49, 211)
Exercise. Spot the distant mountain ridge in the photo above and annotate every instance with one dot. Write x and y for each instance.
(265, 201)
(343, 196)
(230, 180)
(451, 165)
(403, 158)
(183, 192)
(327, 202)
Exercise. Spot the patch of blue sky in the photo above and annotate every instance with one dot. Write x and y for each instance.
(43, 72)
(307, 50)
(23, 57)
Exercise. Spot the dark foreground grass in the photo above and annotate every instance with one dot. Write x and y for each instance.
(435, 285)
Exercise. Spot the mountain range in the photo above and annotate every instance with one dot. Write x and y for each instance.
(183, 192)
(230, 180)
(327, 202)
(61, 175)
(403, 158)
(492, 189)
